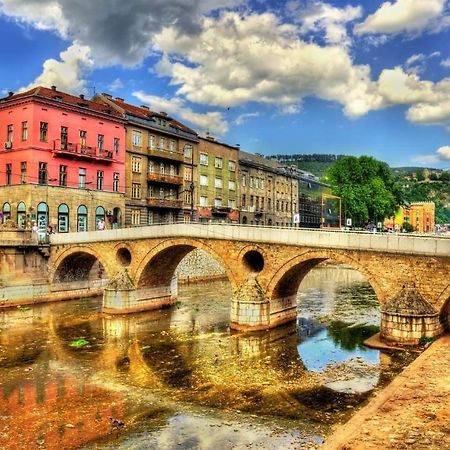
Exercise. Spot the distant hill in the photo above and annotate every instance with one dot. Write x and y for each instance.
(317, 164)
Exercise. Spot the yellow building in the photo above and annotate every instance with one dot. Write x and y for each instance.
(421, 216)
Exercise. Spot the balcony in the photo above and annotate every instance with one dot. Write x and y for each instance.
(221, 210)
(164, 178)
(165, 154)
(79, 151)
(156, 202)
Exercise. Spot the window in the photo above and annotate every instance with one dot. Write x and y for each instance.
(203, 200)
(82, 216)
(83, 137)
(63, 175)
(232, 203)
(9, 133)
(172, 145)
(172, 170)
(203, 180)
(217, 202)
(188, 173)
(8, 173)
(135, 190)
(218, 183)
(6, 210)
(116, 145)
(244, 200)
(63, 218)
(136, 164)
(203, 159)
(64, 140)
(42, 173)
(23, 172)
(42, 216)
(136, 138)
(187, 151)
(99, 214)
(116, 181)
(231, 185)
(218, 162)
(161, 169)
(100, 175)
(251, 181)
(24, 131)
(135, 217)
(244, 179)
(21, 215)
(261, 183)
(232, 166)
(100, 139)
(43, 131)
(82, 177)
(162, 143)
(152, 141)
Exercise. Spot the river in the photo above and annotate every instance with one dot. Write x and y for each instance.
(72, 377)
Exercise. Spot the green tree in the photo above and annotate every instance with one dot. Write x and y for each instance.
(367, 188)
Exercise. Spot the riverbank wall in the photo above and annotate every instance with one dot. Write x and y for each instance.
(412, 412)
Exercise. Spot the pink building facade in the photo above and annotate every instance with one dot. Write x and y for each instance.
(62, 161)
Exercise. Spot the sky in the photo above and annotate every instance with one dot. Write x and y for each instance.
(276, 77)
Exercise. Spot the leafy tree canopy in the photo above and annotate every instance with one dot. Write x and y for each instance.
(367, 188)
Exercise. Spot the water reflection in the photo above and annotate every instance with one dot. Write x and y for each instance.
(179, 377)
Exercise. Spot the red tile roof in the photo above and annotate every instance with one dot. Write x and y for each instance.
(62, 97)
(144, 113)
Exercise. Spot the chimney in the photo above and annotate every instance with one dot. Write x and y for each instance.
(53, 88)
(10, 94)
(119, 99)
(163, 113)
(145, 107)
(82, 96)
(107, 95)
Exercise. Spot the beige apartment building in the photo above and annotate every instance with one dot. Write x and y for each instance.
(217, 181)
(268, 191)
(160, 165)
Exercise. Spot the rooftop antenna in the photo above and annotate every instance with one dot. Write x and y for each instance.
(93, 89)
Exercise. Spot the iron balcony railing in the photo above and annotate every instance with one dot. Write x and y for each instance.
(81, 151)
(157, 202)
(165, 178)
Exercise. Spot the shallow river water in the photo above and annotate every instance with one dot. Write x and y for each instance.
(72, 377)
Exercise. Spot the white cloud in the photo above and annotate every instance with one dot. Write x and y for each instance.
(212, 122)
(68, 73)
(416, 63)
(444, 152)
(403, 16)
(117, 31)
(242, 118)
(445, 62)
(236, 59)
(320, 16)
(116, 85)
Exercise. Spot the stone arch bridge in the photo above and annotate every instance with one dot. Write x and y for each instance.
(265, 267)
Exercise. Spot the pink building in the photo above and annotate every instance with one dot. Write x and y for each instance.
(62, 161)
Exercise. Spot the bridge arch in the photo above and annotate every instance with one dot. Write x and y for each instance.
(76, 263)
(158, 266)
(287, 279)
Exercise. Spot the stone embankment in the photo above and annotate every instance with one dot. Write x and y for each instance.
(413, 412)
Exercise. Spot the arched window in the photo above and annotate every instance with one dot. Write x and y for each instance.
(21, 215)
(99, 214)
(244, 220)
(6, 212)
(63, 218)
(82, 218)
(42, 216)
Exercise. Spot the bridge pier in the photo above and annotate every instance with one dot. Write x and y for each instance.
(121, 296)
(251, 310)
(407, 318)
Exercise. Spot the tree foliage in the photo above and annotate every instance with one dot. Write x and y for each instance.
(367, 188)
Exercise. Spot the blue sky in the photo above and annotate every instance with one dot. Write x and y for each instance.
(296, 76)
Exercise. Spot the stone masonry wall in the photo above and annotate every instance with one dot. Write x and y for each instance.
(199, 265)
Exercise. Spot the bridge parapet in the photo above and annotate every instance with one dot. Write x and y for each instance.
(378, 242)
